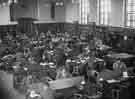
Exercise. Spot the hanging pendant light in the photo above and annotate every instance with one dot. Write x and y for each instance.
(59, 3)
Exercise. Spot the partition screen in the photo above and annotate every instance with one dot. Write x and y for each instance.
(130, 13)
(84, 11)
(104, 11)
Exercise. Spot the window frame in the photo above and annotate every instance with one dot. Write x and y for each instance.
(104, 13)
(84, 7)
(130, 21)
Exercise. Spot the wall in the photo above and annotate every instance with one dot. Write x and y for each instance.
(60, 13)
(117, 13)
(26, 8)
(38, 9)
(72, 11)
(4, 15)
(44, 13)
(30, 8)
(67, 13)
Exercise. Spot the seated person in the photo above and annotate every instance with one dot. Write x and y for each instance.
(107, 74)
(40, 91)
(119, 66)
(62, 73)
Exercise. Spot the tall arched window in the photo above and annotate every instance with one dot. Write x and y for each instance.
(130, 13)
(104, 11)
(84, 11)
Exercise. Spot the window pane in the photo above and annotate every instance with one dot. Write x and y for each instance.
(105, 9)
(130, 13)
(84, 11)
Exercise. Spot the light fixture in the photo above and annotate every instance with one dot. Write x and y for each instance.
(9, 2)
(59, 3)
(125, 37)
(15, 1)
(3, 4)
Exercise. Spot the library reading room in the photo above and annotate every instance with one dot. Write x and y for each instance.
(67, 49)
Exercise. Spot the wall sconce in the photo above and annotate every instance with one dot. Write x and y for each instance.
(7, 2)
(12, 1)
(15, 1)
(59, 3)
(3, 4)
(125, 37)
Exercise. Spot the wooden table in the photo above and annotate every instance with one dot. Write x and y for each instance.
(120, 55)
(65, 83)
